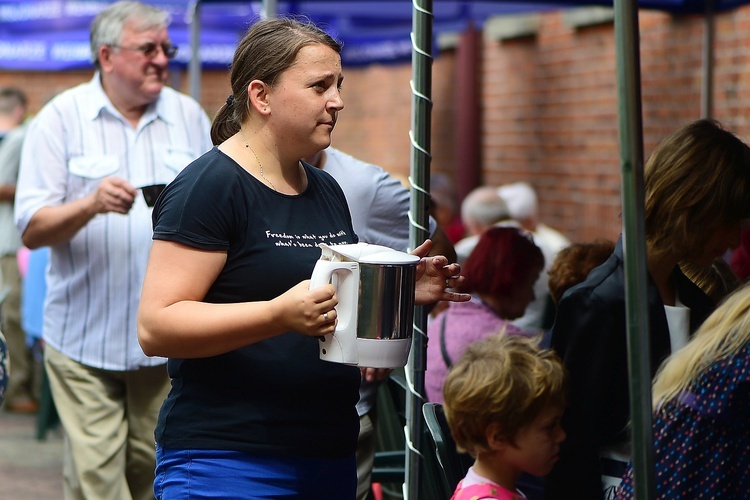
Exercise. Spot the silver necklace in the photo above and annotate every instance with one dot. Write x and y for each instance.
(247, 145)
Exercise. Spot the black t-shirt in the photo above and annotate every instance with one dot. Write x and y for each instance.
(274, 396)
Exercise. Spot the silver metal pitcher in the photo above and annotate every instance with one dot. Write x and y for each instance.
(375, 287)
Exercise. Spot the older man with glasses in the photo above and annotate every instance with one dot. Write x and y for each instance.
(87, 154)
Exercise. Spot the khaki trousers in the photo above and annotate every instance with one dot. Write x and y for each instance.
(109, 419)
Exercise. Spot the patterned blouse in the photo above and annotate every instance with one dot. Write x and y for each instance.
(702, 437)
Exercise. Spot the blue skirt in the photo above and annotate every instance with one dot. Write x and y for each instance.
(215, 474)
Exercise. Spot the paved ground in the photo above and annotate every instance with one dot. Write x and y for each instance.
(29, 469)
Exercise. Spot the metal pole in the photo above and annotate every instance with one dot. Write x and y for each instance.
(270, 9)
(638, 334)
(421, 109)
(707, 97)
(194, 65)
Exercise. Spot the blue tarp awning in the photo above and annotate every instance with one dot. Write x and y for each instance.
(52, 35)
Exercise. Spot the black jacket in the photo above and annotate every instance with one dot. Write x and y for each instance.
(590, 335)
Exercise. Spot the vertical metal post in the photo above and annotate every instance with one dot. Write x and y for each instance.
(194, 65)
(468, 113)
(707, 94)
(634, 247)
(421, 109)
(270, 9)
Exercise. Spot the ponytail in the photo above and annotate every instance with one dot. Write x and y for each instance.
(225, 124)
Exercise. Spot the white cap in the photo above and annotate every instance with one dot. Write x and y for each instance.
(520, 198)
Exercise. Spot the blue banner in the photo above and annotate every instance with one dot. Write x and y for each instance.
(52, 35)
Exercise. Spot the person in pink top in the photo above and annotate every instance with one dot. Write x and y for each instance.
(504, 400)
(499, 274)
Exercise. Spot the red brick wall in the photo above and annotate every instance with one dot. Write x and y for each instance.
(41, 86)
(551, 119)
(548, 107)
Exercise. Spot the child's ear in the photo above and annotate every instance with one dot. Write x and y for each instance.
(496, 440)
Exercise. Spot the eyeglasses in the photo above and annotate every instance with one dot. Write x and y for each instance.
(150, 49)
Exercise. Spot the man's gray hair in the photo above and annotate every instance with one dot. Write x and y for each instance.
(107, 26)
(483, 206)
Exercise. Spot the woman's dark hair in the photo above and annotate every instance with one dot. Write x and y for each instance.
(698, 178)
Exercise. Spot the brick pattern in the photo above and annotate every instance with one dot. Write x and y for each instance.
(548, 107)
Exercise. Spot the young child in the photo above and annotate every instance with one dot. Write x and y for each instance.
(503, 401)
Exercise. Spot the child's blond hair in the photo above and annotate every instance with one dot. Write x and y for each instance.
(504, 379)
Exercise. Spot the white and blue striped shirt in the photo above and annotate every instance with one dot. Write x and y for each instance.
(94, 280)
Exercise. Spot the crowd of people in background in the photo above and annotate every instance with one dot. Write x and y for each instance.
(178, 318)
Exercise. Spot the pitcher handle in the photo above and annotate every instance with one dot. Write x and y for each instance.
(341, 345)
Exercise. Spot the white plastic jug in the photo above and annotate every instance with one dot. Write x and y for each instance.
(375, 288)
